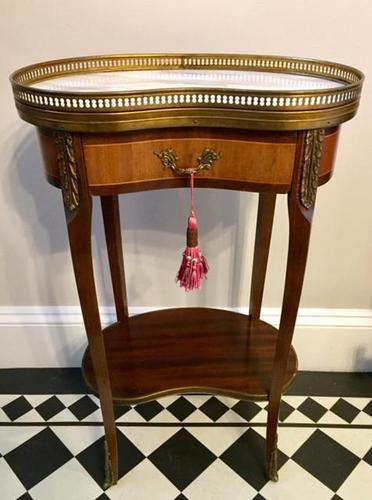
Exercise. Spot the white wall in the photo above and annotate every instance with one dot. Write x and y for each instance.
(35, 266)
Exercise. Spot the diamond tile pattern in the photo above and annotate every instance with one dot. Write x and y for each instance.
(182, 458)
(17, 408)
(181, 453)
(83, 407)
(326, 459)
(50, 408)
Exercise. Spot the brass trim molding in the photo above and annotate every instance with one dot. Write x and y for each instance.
(113, 111)
(169, 158)
(310, 166)
(67, 169)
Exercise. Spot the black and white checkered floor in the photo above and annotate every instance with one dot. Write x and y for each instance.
(189, 447)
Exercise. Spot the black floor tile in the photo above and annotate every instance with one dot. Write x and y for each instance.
(247, 458)
(181, 408)
(42, 381)
(83, 407)
(332, 384)
(50, 407)
(345, 410)
(103, 497)
(312, 409)
(181, 496)
(17, 408)
(213, 408)
(25, 496)
(120, 410)
(258, 497)
(368, 408)
(182, 458)
(326, 459)
(38, 457)
(246, 409)
(368, 457)
(149, 410)
(336, 497)
(93, 457)
(285, 410)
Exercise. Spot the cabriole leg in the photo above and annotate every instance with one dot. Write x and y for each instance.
(301, 201)
(78, 209)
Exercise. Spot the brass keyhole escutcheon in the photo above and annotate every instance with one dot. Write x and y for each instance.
(169, 159)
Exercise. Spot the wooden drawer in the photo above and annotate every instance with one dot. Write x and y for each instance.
(248, 160)
(251, 160)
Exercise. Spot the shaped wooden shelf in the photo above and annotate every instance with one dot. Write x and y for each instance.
(185, 350)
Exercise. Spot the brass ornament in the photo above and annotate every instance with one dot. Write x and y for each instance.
(272, 466)
(114, 111)
(67, 169)
(109, 476)
(310, 166)
(205, 161)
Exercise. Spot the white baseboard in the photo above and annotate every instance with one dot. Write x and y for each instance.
(325, 339)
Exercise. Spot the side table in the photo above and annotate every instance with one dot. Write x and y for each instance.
(116, 124)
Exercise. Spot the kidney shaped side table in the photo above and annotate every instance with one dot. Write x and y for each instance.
(124, 123)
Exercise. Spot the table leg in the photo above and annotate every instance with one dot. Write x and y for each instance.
(111, 221)
(301, 201)
(265, 216)
(78, 209)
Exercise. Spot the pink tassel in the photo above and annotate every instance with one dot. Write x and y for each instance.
(194, 266)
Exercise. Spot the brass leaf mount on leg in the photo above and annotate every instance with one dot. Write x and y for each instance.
(310, 167)
(68, 170)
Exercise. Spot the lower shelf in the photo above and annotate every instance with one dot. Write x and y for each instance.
(189, 350)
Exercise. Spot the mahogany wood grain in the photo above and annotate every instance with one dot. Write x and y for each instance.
(189, 350)
(248, 160)
(299, 235)
(265, 217)
(46, 139)
(111, 221)
(79, 225)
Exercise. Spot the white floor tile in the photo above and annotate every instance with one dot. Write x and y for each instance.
(31, 416)
(148, 439)
(358, 402)
(64, 416)
(11, 486)
(217, 439)
(291, 438)
(219, 482)
(230, 417)
(77, 438)
(70, 481)
(298, 418)
(7, 398)
(69, 399)
(294, 401)
(326, 401)
(11, 437)
(357, 441)
(294, 483)
(362, 419)
(358, 486)
(4, 417)
(165, 417)
(331, 418)
(198, 417)
(144, 482)
(96, 416)
(37, 399)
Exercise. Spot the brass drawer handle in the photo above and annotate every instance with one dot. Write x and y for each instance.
(169, 159)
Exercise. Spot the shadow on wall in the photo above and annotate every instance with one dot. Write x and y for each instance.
(154, 223)
(362, 360)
